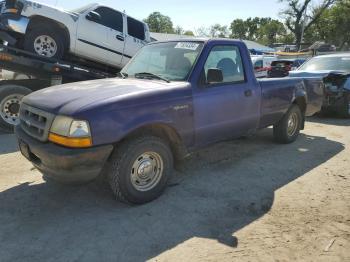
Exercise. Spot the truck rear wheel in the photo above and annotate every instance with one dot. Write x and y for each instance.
(139, 169)
(10, 99)
(45, 41)
(288, 128)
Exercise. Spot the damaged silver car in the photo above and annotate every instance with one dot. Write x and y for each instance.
(335, 70)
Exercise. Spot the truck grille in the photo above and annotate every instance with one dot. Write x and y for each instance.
(35, 122)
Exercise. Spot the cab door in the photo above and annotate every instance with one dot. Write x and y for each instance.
(229, 108)
(92, 39)
(102, 40)
(116, 36)
(135, 38)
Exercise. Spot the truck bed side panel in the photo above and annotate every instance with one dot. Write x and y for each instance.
(276, 97)
(315, 92)
(279, 94)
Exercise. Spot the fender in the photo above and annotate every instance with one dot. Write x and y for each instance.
(125, 122)
(142, 121)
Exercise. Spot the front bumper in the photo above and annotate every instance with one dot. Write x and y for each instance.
(63, 164)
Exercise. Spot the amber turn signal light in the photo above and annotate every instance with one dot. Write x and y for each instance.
(72, 142)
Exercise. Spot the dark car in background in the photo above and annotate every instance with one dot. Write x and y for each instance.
(335, 70)
(327, 48)
(281, 68)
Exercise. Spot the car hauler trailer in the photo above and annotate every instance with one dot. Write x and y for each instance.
(44, 72)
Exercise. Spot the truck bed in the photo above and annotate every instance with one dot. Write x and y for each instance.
(278, 93)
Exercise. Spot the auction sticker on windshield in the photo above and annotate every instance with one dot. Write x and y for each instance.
(187, 45)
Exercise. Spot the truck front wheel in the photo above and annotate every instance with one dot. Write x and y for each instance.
(139, 169)
(10, 99)
(288, 128)
(45, 41)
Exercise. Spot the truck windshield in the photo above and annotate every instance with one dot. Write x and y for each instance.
(172, 60)
(327, 63)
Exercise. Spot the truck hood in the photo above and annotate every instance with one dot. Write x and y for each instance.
(70, 99)
(33, 7)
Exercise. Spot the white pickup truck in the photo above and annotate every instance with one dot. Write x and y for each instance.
(93, 32)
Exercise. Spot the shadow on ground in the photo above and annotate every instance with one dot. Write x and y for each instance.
(330, 120)
(218, 191)
(8, 143)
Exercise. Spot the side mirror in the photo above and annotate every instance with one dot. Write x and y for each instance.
(215, 75)
(93, 16)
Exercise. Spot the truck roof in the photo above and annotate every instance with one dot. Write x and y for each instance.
(200, 39)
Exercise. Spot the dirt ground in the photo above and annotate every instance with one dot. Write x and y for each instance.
(243, 200)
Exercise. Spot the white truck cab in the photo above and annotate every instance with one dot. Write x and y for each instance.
(94, 32)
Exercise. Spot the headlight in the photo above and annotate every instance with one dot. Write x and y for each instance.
(71, 133)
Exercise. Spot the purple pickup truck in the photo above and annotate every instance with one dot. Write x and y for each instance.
(172, 98)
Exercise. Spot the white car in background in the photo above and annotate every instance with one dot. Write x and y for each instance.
(94, 32)
(262, 64)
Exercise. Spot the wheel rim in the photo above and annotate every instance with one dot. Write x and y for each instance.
(293, 123)
(147, 171)
(45, 45)
(9, 109)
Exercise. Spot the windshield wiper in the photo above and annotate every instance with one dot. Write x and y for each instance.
(123, 75)
(150, 75)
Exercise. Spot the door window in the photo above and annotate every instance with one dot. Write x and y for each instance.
(136, 29)
(228, 59)
(110, 18)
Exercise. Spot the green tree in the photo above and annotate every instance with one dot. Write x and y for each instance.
(239, 29)
(218, 30)
(189, 33)
(213, 31)
(159, 23)
(264, 30)
(253, 25)
(333, 26)
(300, 15)
(270, 31)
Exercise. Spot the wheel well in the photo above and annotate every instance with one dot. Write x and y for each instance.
(39, 20)
(165, 132)
(300, 101)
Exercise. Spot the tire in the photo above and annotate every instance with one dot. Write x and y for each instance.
(287, 130)
(134, 156)
(345, 109)
(10, 98)
(45, 41)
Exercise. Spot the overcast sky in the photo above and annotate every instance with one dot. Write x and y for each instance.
(188, 14)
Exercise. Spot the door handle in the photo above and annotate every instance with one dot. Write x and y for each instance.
(248, 93)
(120, 38)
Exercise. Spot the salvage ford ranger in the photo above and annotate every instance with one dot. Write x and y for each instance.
(93, 32)
(172, 98)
